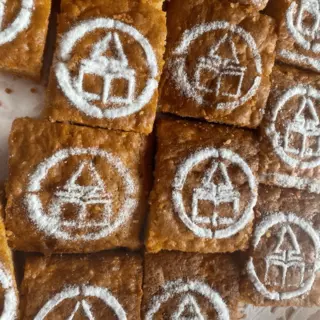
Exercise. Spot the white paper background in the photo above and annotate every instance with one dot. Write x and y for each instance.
(23, 102)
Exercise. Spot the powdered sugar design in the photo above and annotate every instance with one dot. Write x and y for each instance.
(287, 181)
(305, 33)
(285, 260)
(188, 291)
(85, 291)
(108, 68)
(219, 66)
(308, 128)
(222, 193)
(20, 23)
(10, 300)
(51, 221)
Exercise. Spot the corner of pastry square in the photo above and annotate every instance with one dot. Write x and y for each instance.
(219, 57)
(97, 286)
(24, 26)
(202, 286)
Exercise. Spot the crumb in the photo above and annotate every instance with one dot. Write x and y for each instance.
(8, 90)
(34, 90)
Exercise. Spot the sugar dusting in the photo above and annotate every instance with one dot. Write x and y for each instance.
(52, 224)
(108, 68)
(186, 166)
(177, 287)
(86, 291)
(10, 307)
(178, 63)
(262, 228)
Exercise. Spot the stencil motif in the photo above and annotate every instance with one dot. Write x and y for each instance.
(287, 256)
(224, 70)
(82, 306)
(83, 198)
(21, 21)
(188, 309)
(303, 22)
(215, 188)
(188, 306)
(10, 301)
(299, 144)
(111, 68)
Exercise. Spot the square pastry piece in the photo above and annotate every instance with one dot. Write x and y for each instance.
(204, 190)
(290, 132)
(283, 265)
(75, 189)
(8, 289)
(107, 64)
(23, 32)
(299, 32)
(218, 60)
(190, 286)
(95, 287)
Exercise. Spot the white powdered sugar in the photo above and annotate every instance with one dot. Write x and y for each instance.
(284, 260)
(221, 67)
(222, 193)
(10, 300)
(188, 291)
(83, 291)
(287, 181)
(51, 222)
(308, 128)
(108, 68)
(20, 23)
(305, 34)
(301, 59)
(304, 123)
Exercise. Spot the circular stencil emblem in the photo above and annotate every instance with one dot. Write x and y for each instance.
(221, 73)
(9, 32)
(184, 300)
(121, 60)
(86, 204)
(296, 140)
(10, 301)
(83, 300)
(303, 23)
(214, 192)
(285, 257)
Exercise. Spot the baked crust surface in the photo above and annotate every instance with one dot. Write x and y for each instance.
(75, 189)
(298, 32)
(130, 65)
(290, 131)
(182, 148)
(287, 242)
(217, 273)
(259, 4)
(7, 271)
(219, 56)
(119, 274)
(23, 54)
